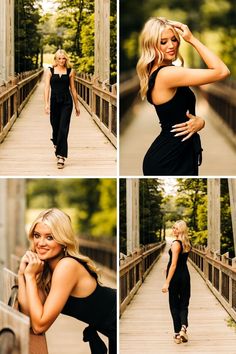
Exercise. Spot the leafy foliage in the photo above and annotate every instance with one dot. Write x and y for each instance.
(93, 199)
(27, 36)
(150, 214)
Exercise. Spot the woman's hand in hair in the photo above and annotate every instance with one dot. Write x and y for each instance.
(183, 30)
(35, 265)
(194, 125)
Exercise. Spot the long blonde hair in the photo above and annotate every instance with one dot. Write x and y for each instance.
(62, 232)
(62, 52)
(183, 235)
(150, 41)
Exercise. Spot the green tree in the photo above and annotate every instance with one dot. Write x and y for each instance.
(151, 217)
(93, 201)
(226, 222)
(122, 215)
(27, 36)
(192, 199)
(104, 220)
(42, 193)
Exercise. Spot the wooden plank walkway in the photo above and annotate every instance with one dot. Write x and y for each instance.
(142, 127)
(146, 325)
(28, 151)
(66, 333)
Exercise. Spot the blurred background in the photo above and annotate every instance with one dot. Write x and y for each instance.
(214, 23)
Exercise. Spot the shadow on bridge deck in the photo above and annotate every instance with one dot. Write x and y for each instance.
(28, 151)
(141, 127)
(146, 325)
(66, 333)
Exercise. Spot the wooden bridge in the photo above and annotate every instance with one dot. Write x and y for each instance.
(146, 325)
(26, 149)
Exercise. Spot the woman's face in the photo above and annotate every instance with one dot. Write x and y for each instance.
(61, 60)
(45, 245)
(175, 230)
(169, 45)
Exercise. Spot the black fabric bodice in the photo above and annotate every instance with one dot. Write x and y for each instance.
(181, 266)
(168, 155)
(95, 309)
(173, 111)
(98, 309)
(60, 86)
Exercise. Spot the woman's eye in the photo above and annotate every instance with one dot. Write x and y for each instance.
(49, 238)
(174, 39)
(36, 236)
(163, 42)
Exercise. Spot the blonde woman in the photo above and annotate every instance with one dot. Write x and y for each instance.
(61, 79)
(54, 278)
(166, 87)
(178, 281)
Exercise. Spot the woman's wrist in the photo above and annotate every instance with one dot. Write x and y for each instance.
(193, 41)
(29, 276)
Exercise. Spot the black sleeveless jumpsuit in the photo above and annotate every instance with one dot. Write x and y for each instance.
(168, 156)
(61, 106)
(179, 290)
(98, 310)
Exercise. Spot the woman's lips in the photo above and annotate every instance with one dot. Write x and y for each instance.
(171, 52)
(42, 250)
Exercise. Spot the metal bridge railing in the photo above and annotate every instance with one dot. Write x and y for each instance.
(219, 272)
(13, 97)
(134, 269)
(100, 101)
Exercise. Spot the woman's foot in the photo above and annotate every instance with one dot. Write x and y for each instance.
(60, 162)
(177, 338)
(183, 334)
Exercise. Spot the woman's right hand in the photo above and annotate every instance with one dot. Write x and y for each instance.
(23, 264)
(183, 30)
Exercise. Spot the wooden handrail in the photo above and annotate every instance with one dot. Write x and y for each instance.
(13, 98)
(104, 254)
(219, 272)
(100, 102)
(133, 272)
(8, 342)
(31, 342)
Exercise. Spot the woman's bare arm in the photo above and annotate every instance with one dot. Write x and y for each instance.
(43, 315)
(73, 92)
(47, 91)
(22, 294)
(172, 76)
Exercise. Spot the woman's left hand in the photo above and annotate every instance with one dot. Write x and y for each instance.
(194, 124)
(165, 288)
(35, 265)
